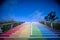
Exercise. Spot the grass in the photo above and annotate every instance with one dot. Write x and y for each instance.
(56, 25)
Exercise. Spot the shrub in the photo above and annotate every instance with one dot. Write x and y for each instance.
(42, 22)
(6, 27)
(48, 24)
(56, 26)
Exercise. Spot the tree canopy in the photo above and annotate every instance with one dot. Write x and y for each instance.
(51, 16)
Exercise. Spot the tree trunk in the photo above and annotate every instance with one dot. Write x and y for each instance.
(51, 25)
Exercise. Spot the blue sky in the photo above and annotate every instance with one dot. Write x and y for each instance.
(27, 10)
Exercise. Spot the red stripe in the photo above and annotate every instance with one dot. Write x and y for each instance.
(9, 32)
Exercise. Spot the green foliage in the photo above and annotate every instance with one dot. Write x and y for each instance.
(56, 26)
(46, 18)
(17, 23)
(42, 22)
(48, 24)
(51, 16)
(6, 27)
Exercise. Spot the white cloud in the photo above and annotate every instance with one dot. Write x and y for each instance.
(36, 16)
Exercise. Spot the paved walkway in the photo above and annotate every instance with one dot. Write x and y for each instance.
(29, 30)
(44, 32)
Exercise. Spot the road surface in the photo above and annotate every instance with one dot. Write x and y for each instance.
(29, 30)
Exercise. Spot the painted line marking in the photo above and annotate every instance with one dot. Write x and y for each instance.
(31, 28)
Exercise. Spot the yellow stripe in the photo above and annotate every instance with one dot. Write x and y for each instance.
(23, 32)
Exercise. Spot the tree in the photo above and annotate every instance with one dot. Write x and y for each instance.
(51, 17)
(46, 19)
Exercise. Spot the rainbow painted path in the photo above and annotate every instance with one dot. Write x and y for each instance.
(29, 31)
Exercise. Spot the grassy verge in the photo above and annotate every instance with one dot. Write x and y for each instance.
(56, 25)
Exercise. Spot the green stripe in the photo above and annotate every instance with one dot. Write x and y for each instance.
(37, 39)
(36, 33)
